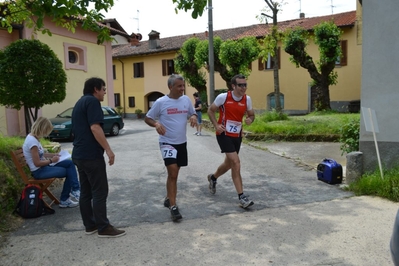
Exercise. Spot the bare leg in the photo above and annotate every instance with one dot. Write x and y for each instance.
(232, 161)
(171, 183)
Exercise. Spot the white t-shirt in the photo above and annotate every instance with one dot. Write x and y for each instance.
(221, 98)
(30, 142)
(173, 115)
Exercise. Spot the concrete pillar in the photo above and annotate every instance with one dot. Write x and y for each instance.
(354, 166)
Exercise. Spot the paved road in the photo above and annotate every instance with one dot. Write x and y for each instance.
(296, 219)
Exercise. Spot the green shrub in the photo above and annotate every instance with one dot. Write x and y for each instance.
(350, 136)
(11, 183)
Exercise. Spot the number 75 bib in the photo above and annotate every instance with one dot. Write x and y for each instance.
(233, 127)
(168, 151)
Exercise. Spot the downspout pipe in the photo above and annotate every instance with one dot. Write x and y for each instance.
(123, 86)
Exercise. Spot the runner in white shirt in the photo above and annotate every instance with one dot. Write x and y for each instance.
(169, 116)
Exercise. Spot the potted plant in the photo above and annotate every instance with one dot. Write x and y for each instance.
(119, 109)
(139, 113)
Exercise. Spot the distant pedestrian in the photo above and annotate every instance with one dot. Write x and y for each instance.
(169, 116)
(198, 110)
(88, 155)
(232, 106)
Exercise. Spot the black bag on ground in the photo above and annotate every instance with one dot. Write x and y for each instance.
(31, 204)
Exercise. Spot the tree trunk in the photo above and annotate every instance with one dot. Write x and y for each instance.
(28, 121)
(276, 82)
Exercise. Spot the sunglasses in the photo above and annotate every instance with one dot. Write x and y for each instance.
(242, 85)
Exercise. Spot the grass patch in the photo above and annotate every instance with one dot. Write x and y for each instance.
(316, 123)
(372, 184)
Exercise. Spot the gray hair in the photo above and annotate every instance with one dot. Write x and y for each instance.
(172, 78)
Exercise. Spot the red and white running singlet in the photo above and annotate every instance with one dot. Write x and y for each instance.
(231, 114)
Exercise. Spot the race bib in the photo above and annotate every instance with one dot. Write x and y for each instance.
(168, 151)
(233, 127)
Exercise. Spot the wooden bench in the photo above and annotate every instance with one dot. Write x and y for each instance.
(20, 163)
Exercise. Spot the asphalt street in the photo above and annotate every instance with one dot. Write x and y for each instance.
(296, 219)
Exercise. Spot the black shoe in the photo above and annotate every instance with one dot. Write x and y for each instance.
(91, 230)
(111, 231)
(166, 203)
(212, 184)
(174, 213)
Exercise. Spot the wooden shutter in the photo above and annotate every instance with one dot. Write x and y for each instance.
(261, 65)
(344, 49)
(164, 67)
(142, 69)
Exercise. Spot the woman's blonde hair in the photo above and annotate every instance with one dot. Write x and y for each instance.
(41, 127)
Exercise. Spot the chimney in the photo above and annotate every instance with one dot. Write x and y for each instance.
(302, 15)
(206, 34)
(135, 39)
(153, 41)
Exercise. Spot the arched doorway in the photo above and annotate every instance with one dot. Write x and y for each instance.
(152, 97)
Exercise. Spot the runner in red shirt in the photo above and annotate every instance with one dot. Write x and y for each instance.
(232, 106)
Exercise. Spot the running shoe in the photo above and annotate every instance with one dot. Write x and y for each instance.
(174, 213)
(212, 185)
(245, 202)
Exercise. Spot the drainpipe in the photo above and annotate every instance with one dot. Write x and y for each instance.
(123, 86)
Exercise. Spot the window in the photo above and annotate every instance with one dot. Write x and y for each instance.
(269, 64)
(114, 71)
(138, 70)
(132, 102)
(168, 67)
(117, 99)
(343, 60)
(75, 57)
(271, 101)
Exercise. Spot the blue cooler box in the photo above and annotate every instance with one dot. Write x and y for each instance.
(329, 171)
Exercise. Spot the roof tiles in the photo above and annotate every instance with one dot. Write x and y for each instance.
(174, 43)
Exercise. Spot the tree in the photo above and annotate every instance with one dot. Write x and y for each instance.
(189, 68)
(197, 6)
(327, 37)
(65, 13)
(270, 47)
(231, 56)
(31, 75)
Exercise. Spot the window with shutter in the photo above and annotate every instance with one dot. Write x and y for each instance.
(343, 59)
(132, 102)
(168, 67)
(138, 70)
(117, 99)
(269, 63)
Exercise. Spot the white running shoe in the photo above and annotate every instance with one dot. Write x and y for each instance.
(68, 203)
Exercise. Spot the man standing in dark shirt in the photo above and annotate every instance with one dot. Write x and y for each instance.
(88, 155)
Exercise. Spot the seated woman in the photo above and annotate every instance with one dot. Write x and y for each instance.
(39, 163)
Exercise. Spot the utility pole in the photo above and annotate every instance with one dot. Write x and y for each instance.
(211, 56)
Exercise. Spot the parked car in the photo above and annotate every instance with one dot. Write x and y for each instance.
(62, 124)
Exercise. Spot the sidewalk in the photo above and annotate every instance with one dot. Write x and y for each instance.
(308, 153)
